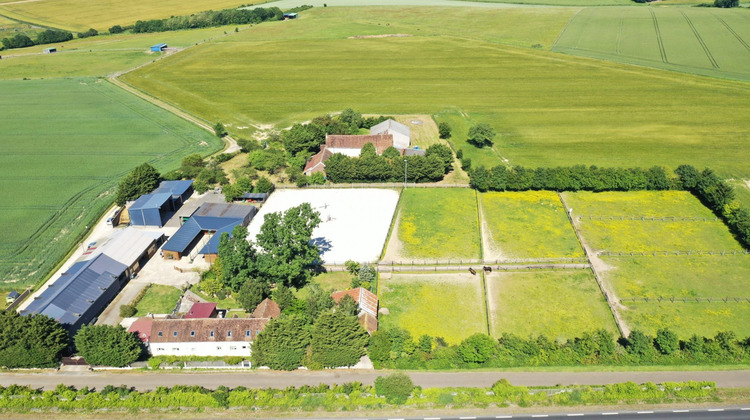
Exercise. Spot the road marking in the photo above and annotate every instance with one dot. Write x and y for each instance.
(680, 411)
(610, 414)
(645, 412)
(715, 409)
(540, 415)
(503, 417)
(467, 418)
(432, 418)
(574, 415)
(745, 408)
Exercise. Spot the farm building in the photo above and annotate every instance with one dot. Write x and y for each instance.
(129, 246)
(154, 209)
(400, 132)
(367, 303)
(82, 293)
(414, 152)
(288, 16)
(267, 309)
(202, 310)
(50, 50)
(203, 230)
(253, 197)
(199, 337)
(158, 47)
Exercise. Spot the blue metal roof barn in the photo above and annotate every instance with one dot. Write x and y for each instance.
(180, 190)
(79, 295)
(150, 209)
(159, 47)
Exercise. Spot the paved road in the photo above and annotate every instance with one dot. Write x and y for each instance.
(717, 413)
(264, 379)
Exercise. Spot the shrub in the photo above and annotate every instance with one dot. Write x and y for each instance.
(396, 388)
(477, 348)
(127, 311)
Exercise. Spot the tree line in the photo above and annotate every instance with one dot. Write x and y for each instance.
(209, 19)
(396, 348)
(49, 36)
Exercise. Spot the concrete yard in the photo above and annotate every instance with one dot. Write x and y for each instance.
(354, 222)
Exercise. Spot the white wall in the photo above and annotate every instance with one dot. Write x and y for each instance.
(221, 348)
(400, 141)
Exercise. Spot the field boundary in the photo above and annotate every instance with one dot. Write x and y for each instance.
(394, 218)
(684, 299)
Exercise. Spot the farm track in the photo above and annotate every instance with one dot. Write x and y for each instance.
(659, 40)
(733, 32)
(710, 56)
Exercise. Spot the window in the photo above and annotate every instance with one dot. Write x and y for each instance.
(192, 333)
(218, 347)
(174, 333)
(212, 333)
(160, 348)
(247, 333)
(229, 333)
(161, 334)
(232, 348)
(175, 349)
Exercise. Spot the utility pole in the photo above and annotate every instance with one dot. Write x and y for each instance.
(406, 165)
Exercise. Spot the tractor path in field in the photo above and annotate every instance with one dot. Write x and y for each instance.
(598, 266)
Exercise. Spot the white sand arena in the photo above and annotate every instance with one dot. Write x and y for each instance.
(354, 222)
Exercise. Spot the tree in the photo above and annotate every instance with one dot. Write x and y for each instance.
(666, 341)
(726, 3)
(366, 276)
(425, 343)
(286, 242)
(481, 135)
(220, 130)
(396, 387)
(477, 348)
(282, 344)
(51, 36)
(445, 130)
(337, 340)
(688, 176)
(444, 153)
(34, 341)
(264, 185)
(116, 29)
(352, 267)
(303, 138)
(348, 305)
(192, 165)
(237, 258)
(639, 344)
(379, 347)
(141, 180)
(351, 118)
(107, 345)
(283, 296)
(479, 179)
(252, 293)
(318, 301)
(391, 153)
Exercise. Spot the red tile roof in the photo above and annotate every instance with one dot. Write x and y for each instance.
(142, 327)
(202, 310)
(380, 141)
(267, 309)
(206, 329)
(366, 300)
(316, 162)
(368, 322)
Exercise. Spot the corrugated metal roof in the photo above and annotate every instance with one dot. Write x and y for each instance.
(150, 201)
(212, 246)
(254, 196)
(78, 290)
(126, 245)
(173, 187)
(183, 237)
(237, 211)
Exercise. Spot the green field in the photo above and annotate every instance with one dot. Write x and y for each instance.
(65, 144)
(80, 15)
(159, 299)
(686, 319)
(704, 234)
(679, 276)
(441, 305)
(436, 223)
(97, 56)
(708, 41)
(549, 109)
(529, 224)
(558, 304)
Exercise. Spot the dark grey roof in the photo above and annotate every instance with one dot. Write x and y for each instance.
(254, 196)
(212, 246)
(78, 290)
(414, 152)
(237, 211)
(150, 201)
(173, 187)
(183, 237)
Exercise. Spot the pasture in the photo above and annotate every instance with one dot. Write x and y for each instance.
(530, 224)
(65, 144)
(686, 319)
(435, 224)
(707, 41)
(354, 222)
(548, 109)
(80, 15)
(606, 222)
(558, 304)
(441, 305)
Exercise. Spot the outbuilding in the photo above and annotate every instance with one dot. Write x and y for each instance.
(288, 16)
(159, 47)
(50, 50)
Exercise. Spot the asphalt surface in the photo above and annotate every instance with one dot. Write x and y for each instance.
(718, 413)
(265, 379)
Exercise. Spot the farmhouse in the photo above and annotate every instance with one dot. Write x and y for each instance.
(199, 337)
(367, 303)
(154, 209)
(158, 47)
(81, 294)
(203, 230)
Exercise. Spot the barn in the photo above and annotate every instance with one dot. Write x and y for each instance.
(202, 231)
(154, 209)
(400, 132)
(80, 294)
(129, 246)
(159, 47)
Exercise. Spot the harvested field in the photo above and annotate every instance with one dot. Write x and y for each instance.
(558, 304)
(354, 223)
(441, 305)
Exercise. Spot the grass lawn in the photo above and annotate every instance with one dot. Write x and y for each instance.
(441, 305)
(335, 280)
(79, 15)
(66, 143)
(436, 223)
(706, 41)
(159, 299)
(686, 319)
(549, 109)
(679, 276)
(558, 304)
(648, 235)
(741, 192)
(529, 224)
(227, 303)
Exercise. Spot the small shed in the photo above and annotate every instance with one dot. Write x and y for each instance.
(12, 296)
(159, 47)
(50, 50)
(288, 16)
(253, 197)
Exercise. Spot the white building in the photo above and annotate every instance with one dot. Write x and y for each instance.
(199, 336)
(400, 132)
